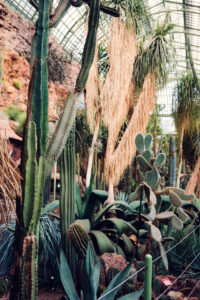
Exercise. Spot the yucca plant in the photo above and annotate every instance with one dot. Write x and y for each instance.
(155, 57)
(186, 101)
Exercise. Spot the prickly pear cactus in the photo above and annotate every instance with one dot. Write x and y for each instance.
(147, 162)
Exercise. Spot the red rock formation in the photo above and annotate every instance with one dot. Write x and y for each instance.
(15, 40)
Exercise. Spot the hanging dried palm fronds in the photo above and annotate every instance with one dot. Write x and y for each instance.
(10, 180)
(194, 178)
(122, 52)
(92, 92)
(125, 151)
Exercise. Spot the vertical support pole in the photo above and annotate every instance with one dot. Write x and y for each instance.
(54, 180)
(174, 163)
(148, 278)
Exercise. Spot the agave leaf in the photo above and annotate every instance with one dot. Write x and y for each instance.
(164, 256)
(129, 248)
(103, 243)
(132, 296)
(85, 223)
(50, 206)
(116, 281)
(102, 212)
(101, 195)
(135, 195)
(93, 272)
(136, 204)
(121, 225)
(66, 277)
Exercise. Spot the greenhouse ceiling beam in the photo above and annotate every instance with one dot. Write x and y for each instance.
(179, 3)
(185, 34)
(190, 28)
(180, 48)
(197, 46)
(156, 5)
(174, 11)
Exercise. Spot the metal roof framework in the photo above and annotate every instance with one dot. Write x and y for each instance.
(184, 14)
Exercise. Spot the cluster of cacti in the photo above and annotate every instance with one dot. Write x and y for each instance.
(148, 164)
(176, 216)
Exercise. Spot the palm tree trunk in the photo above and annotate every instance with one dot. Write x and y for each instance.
(180, 155)
(91, 153)
(194, 178)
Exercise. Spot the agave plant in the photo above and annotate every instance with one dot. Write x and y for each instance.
(104, 227)
(91, 280)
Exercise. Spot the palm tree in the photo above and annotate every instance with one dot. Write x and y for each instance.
(185, 111)
(123, 89)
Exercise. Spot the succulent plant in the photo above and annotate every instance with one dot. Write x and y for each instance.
(148, 164)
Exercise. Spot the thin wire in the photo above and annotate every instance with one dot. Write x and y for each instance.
(152, 262)
(176, 244)
(178, 276)
(193, 289)
(143, 268)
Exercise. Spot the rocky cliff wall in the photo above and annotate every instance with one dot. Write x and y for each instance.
(15, 43)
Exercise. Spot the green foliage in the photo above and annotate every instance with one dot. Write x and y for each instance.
(186, 103)
(17, 84)
(91, 281)
(147, 163)
(155, 57)
(154, 122)
(103, 60)
(14, 113)
(182, 255)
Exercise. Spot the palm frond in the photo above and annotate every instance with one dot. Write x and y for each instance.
(155, 57)
(186, 103)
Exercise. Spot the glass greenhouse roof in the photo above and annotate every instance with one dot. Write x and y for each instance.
(184, 14)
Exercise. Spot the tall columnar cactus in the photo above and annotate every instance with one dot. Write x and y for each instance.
(67, 200)
(39, 99)
(172, 163)
(90, 44)
(148, 164)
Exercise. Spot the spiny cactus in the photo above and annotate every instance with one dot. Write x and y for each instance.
(90, 44)
(29, 269)
(79, 238)
(148, 164)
